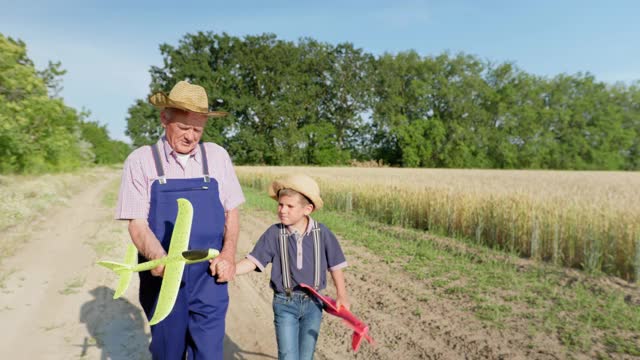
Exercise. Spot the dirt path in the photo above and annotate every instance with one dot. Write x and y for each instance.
(57, 304)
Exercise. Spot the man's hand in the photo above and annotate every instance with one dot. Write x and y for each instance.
(147, 243)
(158, 271)
(224, 267)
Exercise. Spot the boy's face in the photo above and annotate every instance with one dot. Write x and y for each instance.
(291, 212)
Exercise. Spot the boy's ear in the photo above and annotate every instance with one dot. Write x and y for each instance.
(309, 209)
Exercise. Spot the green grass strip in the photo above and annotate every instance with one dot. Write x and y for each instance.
(501, 290)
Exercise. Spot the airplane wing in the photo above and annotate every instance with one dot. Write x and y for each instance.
(360, 329)
(173, 270)
(131, 258)
(181, 229)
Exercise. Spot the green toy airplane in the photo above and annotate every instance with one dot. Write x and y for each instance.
(174, 263)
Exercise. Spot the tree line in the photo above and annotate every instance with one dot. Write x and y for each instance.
(314, 103)
(38, 132)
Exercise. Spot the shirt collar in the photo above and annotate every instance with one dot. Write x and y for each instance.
(309, 227)
(170, 153)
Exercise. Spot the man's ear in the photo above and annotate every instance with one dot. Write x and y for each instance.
(164, 118)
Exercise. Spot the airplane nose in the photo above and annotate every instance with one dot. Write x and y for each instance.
(195, 254)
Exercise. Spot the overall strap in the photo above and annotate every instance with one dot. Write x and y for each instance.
(156, 158)
(205, 165)
(284, 257)
(284, 260)
(316, 254)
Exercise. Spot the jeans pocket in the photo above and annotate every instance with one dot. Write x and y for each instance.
(280, 299)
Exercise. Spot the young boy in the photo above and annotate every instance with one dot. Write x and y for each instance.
(301, 251)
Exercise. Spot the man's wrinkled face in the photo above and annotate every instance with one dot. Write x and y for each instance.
(183, 129)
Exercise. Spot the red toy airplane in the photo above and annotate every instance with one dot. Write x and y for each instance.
(360, 330)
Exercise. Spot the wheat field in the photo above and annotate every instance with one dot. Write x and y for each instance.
(581, 219)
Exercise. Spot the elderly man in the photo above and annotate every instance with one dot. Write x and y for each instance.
(154, 177)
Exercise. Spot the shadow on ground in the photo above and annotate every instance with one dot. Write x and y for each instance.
(117, 327)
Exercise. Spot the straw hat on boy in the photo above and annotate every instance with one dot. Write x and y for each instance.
(187, 97)
(303, 184)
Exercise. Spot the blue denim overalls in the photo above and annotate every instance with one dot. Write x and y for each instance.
(196, 325)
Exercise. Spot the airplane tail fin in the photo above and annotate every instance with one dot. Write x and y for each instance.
(357, 339)
(360, 329)
(124, 270)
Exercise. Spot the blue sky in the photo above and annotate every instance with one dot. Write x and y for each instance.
(107, 47)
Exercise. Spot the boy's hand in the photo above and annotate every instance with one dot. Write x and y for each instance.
(344, 302)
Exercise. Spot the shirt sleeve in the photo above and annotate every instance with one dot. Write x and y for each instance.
(333, 251)
(265, 249)
(133, 197)
(231, 192)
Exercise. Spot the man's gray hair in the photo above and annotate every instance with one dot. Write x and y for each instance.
(169, 112)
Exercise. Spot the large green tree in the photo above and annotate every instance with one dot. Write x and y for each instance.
(105, 149)
(283, 97)
(37, 132)
(309, 102)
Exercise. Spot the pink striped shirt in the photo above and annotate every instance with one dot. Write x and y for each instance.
(140, 172)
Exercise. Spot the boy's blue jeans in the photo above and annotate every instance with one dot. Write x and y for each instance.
(297, 319)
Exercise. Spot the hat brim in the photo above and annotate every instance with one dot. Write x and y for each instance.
(162, 100)
(278, 185)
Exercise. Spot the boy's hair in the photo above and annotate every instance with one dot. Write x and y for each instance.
(289, 192)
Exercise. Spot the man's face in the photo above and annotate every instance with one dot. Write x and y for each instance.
(183, 129)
